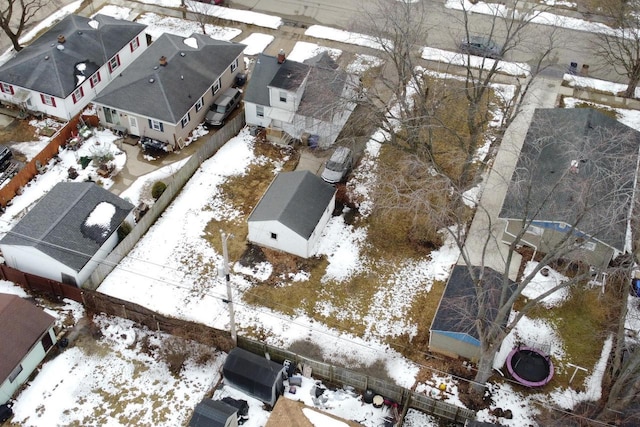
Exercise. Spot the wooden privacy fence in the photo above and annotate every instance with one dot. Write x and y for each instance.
(40, 285)
(30, 169)
(341, 376)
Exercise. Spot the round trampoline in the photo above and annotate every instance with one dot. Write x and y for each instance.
(530, 367)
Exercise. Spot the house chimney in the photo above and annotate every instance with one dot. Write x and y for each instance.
(163, 60)
(61, 39)
(281, 56)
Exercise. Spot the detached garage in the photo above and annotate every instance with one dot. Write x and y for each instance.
(453, 331)
(255, 375)
(292, 213)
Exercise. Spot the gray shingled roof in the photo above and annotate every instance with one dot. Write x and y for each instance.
(21, 326)
(325, 87)
(43, 67)
(211, 413)
(458, 307)
(267, 72)
(167, 93)
(556, 138)
(56, 225)
(297, 200)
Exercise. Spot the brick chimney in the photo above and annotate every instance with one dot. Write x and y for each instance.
(281, 56)
(163, 60)
(61, 39)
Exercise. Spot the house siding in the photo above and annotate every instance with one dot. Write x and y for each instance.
(287, 241)
(30, 260)
(29, 364)
(251, 116)
(312, 242)
(601, 255)
(100, 255)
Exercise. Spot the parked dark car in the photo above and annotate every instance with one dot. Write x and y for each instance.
(481, 46)
(224, 105)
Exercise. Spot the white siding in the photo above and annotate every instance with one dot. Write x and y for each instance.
(30, 260)
(287, 240)
(251, 117)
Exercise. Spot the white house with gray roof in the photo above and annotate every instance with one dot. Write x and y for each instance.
(292, 213)
(290, 99)
(65, 68)
(166, 92)
(68, 233)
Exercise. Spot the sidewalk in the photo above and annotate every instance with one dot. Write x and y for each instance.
(486, 228)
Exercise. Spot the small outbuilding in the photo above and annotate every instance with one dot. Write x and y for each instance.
(292, 213)
(26, 335)
(255, 375)
(453, 329)
(214, 413)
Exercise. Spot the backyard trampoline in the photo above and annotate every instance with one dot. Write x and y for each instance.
(530, 367)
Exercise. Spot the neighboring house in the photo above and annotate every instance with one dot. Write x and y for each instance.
(65, 68)
(295, 100)
(572, 158)
(166, 92)
(67, 234)
(292, 213)
(453, 329)
(26, 335)
(288, 412)
(255, 375)
(214, 413)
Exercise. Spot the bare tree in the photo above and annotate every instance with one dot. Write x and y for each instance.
(621, 46)
(15, 15)
(201, 14)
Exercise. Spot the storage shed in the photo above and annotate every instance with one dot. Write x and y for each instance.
(214, 413)
(453, 331)
(255, 375)
(292, 213)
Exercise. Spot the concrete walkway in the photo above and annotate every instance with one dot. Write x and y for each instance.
(484, 246)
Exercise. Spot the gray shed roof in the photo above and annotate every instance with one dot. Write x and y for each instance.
(21, 326)
(297, 200)
(458, 307)
(57, 225)
(167, 93)
(212, 413)
(44, 67)
(604, 153)
(267, 72)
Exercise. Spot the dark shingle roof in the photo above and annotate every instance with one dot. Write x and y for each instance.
(166, 93)
(604, 153)
(211, 413)
(458, 307)
(21, 325)
(324, 89)
(43, 67)
(297, 200)
(267, 72)
(57, 225)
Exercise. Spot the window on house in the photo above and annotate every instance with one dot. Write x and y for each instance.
(234, 65)
(114, 63)
(156, 125)
(46, 341)
(185, 120)
(216, 87)
(95, 79)
(48, 100)
(134, 44)
(6, 88)
(111, 116)
(14, 374)
(274, 236)
(283, 96)
(260, 110)
(77, 94)
(199, 104)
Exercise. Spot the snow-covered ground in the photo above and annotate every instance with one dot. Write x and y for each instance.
(164, 273)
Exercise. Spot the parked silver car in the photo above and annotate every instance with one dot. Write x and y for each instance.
(338, 166)
(224, 105)
(481, 46)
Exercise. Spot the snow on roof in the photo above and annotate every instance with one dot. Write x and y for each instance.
(101, 217)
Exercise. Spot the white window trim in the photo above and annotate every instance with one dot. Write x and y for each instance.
(216, 87)
(260, 110)
(48, 100)
(185, 120)
(199, 104)
(155, 125)
(95, 79)
(234, 65)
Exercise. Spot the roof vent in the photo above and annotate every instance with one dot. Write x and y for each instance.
(79, 33)
(46, 57)
(163, 60)
(151, 80)
(281, 56)
(60, 47)
(155, 67)
(61, 39)
(94, 24)
(182, 54)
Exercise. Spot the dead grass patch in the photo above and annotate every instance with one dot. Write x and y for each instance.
(17, 131)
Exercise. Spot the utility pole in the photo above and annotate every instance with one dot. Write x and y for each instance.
(229, 301)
